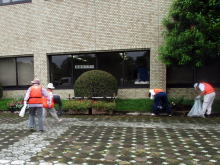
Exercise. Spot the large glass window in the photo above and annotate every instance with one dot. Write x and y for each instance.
(16, 72)
(129, 68)
(136, 67)
(83, 63)
(186, 76)
(61, 71)
(11, 2)
(25, 68)
(112, 62)
(8, 72)
(180, 77)
(66, 69)
(209, 74)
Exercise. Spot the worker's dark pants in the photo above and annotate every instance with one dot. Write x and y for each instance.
(57, 100)
(163, 97)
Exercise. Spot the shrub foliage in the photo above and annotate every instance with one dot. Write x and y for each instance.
(96, 83)
(191, 34)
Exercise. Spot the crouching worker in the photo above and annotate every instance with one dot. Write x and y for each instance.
(209, 95)
(50, 109)
(159, 95)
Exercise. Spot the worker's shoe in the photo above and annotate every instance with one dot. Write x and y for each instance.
(152, 114)
(207, 115)
(32, 129)
(170, 115)
(59, 120)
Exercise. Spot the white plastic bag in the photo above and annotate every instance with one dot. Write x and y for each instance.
(196, 110)
(22, 112)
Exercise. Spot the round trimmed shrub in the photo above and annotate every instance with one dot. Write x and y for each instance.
(95, 83)
(1, 91)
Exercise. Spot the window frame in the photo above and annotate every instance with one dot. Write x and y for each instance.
(13, 3)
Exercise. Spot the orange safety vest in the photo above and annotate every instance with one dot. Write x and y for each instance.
(35, 95)
(157, 90)
(45, 104)
(208, 88)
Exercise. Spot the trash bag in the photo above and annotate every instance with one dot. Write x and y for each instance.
(22, 112)
(196, 110)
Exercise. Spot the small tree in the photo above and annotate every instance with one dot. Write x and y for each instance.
(96, 83)
(192, 35)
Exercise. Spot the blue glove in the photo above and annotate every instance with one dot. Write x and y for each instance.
(198, 97)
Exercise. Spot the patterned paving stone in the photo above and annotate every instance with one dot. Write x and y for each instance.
(111, 140)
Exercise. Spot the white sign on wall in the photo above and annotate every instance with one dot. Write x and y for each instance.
(84, 66)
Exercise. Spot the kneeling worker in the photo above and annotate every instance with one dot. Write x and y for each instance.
(158, 95)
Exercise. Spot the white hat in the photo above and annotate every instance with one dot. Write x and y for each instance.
(35, 81)
(195, 85)
(50, 86)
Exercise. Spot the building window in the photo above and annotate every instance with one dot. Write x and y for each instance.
(180, 77)
(16, 72)
(12, 2)
(129, 68)
(112, 62)
(185, 77)
(65, 69)
(136, 67)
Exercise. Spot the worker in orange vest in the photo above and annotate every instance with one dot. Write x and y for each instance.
(159, 95)
(50, 109)
(34, 98)
(209, 96)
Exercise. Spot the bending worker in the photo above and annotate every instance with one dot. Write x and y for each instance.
(209, 96)
(159, 94)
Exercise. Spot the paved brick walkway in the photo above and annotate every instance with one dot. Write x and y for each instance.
(121, 140)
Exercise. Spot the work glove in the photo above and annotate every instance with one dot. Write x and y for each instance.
(49, 104)
(198, 97)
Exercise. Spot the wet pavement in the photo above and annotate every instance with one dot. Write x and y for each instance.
(121, 140)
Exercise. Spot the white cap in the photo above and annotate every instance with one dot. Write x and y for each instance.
(50, 86)
(195, 85)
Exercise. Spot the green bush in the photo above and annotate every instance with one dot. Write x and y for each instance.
(180, 103)
(95, 83)
(1, 91)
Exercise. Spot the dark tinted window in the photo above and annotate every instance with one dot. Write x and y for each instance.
(129, 68)
(113, 63)
(186, 76)
(136, 67)
(11, 2)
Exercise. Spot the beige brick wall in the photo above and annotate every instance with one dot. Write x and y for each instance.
(44, 27)
(189, 93)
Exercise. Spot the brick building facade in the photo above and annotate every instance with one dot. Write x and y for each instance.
(40, 29)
